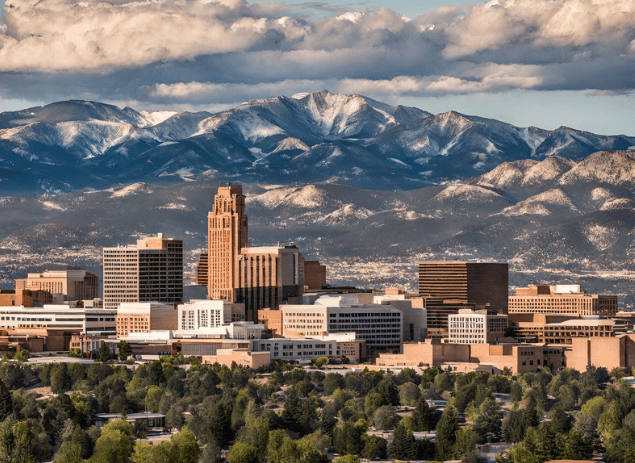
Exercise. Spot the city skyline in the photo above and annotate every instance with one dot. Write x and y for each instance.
(563, 63)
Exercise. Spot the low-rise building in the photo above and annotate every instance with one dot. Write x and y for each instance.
(272, 318)
(381, 326)
(426, 354)
(476, 327)
(559, 329)
(517, 358)
(300, 350)
(561, 299)
(144, 317)
(608, 352)
(241, 357)
(16, 298)
(80, 320)
(62, 285)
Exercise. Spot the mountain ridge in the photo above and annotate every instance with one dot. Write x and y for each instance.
(311, 138)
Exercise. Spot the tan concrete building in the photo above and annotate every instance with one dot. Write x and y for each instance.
(242, 357)
(559, 329)
(273, 319)
(448, 286)
(150, 271)
(226, 236)
(425, 354)
(561, 299)
(268, 276)
(63, 285)
(608, 352)
(143, 317)
(476, 327)
(16, 298)
(518, 358)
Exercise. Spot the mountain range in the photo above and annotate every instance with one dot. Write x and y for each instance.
(367, 188)
(554, 220)
(305, 139)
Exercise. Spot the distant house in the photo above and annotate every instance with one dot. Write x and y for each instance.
(153, 421)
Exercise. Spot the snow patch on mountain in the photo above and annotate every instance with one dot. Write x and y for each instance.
(467, 193)
(525, 208)
(547, 170)
(616, 204)
(601, 236)
(254, 128)
(52, 206)
(616, 168)
(306, 197)
(175, 206)
(532, 138)
(130, 190)
(345, 213)
(541, 204)
(291, 143)
(505, 174)
(155, 117)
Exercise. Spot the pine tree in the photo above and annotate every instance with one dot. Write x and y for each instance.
(403, 445)
(446, 433)
(6, 404)
(422, 416)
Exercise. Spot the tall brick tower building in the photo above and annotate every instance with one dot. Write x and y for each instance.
(226, 236)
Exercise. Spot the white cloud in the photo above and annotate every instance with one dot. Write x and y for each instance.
(229, 50)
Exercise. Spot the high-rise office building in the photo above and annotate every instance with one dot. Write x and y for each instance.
(268, 276)
(449, 286)
(226, 236)
(150, 271)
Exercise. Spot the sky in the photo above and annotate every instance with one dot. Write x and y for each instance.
(545, 63)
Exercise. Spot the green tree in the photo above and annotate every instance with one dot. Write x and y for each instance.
(465, 442)
(621, 448)
(104, 353)
(375, 448)
(185, 449)
(23, 443)
(488, 421)
(331, 382)
(125, 350)
(385, 418)
(423, 417)
(115, 443)
(347, 459)
(516, 392)
(242, 452)
(60, 378)
(147, 452)
(69, 453)
(6, 403)
(519, 454)
(575, 448)
(22, 355)
(409, 394)
(447, 428)
(610, 421)
(403, 446)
